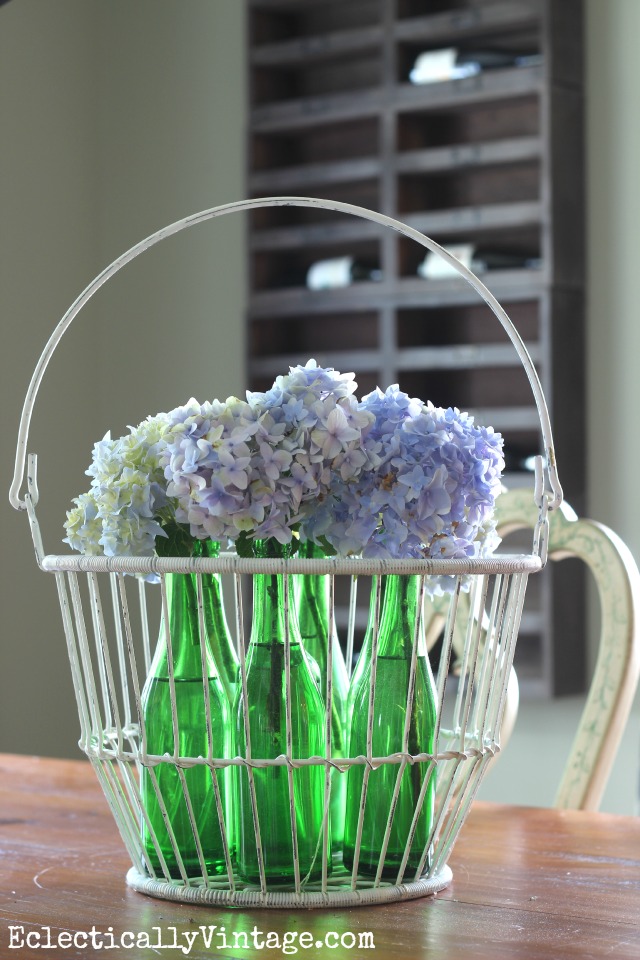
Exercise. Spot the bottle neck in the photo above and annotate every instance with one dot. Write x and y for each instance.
(273, 603)
(184, 630)
(212, 591)
(399, 613)
(312, 602)
(219, 637)
(206, 548)
(372, 606)
(184, 620)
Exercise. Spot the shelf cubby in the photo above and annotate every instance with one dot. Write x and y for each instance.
(492, 160)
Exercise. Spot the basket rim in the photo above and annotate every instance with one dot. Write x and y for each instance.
(231, 563)
(364, 895)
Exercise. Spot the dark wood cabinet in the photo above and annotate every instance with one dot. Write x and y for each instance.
(493, 159)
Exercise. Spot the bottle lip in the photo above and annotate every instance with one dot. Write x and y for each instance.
(271, 549)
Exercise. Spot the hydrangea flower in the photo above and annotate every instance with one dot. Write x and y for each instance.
(84, 526)
(387, 477)
(254, 469)
(126, 508)
(429, 489)
(207, 465)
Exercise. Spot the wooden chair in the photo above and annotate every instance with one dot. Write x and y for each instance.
(618, 662)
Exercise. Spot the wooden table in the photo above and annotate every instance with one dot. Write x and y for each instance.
(528, 883)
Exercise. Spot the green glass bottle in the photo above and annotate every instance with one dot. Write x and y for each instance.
(222, 648)
(312, 604)
(190, 708)
(364, 657)
(393, 663)
(266, 686)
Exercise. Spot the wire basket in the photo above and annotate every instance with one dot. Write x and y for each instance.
(110, 622)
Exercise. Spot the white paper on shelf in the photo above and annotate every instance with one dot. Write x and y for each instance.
(433, 66)
(433, 267)
(330, 274)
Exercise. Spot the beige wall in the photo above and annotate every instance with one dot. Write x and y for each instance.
(116, 118)
(171, 143)
(613, 158)
(49, 249)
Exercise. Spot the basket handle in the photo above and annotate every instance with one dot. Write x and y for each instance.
(554, 498)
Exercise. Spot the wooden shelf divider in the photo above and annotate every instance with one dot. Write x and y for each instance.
(493, 160)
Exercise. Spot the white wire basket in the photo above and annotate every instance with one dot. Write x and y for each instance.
(109, 621)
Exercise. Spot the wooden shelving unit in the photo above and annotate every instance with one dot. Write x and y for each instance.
(495, 160)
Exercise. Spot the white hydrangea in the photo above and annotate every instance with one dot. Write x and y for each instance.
(122, 511)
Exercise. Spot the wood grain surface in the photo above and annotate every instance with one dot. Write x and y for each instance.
(528, 883)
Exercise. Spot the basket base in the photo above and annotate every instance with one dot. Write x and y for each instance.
(252, 897)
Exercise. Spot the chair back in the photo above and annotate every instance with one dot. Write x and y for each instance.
(617, 668)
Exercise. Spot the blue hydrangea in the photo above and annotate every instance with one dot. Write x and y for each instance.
(207, 466)
(429, 488)
(387, 477)
(258, 467)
